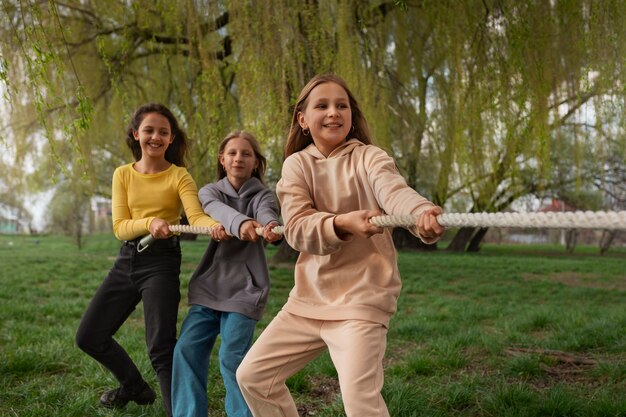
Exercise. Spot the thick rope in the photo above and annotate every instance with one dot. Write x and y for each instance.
(603, 220)
(197, 230)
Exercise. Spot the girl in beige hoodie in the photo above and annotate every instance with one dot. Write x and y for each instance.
(346, 278)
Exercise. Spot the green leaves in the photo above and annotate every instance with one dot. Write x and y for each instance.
(479, 101)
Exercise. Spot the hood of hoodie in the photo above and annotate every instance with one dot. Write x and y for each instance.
(343, 149)
(249, 188)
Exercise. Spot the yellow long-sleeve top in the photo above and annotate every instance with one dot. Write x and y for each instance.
(140, 198)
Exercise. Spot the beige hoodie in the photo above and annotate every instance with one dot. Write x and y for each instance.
(339, 279)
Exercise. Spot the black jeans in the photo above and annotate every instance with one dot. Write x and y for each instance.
(151, 276)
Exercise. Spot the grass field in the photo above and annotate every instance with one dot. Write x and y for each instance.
(510, 331)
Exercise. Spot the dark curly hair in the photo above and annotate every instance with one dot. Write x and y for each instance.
(178, 148)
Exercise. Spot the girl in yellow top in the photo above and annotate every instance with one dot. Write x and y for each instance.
(148, 195)
(346, 277)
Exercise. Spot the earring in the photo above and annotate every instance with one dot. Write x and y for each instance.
(305, 132)
(352, 128)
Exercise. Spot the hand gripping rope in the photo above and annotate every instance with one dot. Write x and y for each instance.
(606, 220)
(196, 230)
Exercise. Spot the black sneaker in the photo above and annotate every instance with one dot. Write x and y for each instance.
(119, 397)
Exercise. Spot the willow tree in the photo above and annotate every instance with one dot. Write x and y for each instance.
(481, 102)
(87, 65)
(477, 99)
(494, 93)
(75, 71)
(282, 44)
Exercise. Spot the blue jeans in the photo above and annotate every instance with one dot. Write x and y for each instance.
(191, 360)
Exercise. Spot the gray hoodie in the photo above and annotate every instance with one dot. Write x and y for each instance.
(232, 275)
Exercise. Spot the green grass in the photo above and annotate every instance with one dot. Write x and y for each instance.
(474, 335)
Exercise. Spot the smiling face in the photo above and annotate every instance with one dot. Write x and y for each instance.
(238, 160)
(154, 136)
(328, 116)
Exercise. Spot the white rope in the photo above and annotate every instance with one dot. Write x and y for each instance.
(199, 230)
(279, 230)
(603, 220)
(612, 220)
(184, 228)
(607, 220)
(196, 230)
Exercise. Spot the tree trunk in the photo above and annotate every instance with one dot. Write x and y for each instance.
(285, 253)
(570, 240)
(606, 240)
(461, 239)
(78, 237)
(186, 236)
(403, 239)
(474, 245)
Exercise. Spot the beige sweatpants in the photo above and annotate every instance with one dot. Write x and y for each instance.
(356, 348)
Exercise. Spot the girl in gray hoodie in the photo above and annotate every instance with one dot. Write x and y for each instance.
(229, 289)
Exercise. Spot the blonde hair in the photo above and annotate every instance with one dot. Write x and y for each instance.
(297, 140)
(259, 171)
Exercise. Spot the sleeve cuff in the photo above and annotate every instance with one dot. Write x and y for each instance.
(235, 225)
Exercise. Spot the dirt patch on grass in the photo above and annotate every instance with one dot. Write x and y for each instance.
(556, 368)
(574, 279)
(323, 392)
(398, 353)
(560, 368)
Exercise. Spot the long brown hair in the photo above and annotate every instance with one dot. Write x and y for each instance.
(177, 150)
(259, 171)
(297, 140)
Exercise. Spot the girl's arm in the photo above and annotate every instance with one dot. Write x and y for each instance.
(396, 197)
(159, 228)
(267, 213)
(188, 193)
(306, 228)
(428, 228)
(266, 208)
(357, 223)
(218, 233)
(270, 236)
(124, 226)
(232, 219)
(247, 230)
